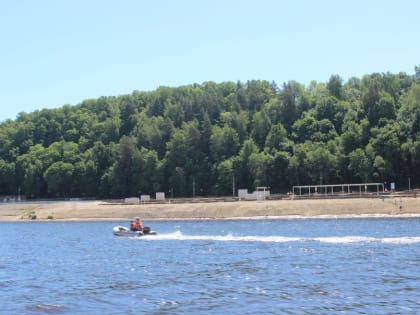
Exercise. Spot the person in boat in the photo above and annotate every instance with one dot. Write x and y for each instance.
(136, 225)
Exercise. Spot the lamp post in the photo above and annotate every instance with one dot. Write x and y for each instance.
(233, 184)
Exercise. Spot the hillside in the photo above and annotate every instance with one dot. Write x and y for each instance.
(208, 139)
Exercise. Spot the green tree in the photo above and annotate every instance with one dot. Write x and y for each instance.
(146, 172)
(351, 138)
(31, 167)
(321, 164)
(7, 178)
(261, 125)
(278, 172)
(386, 142)
(224, 178)
(335, 86)
(187, 138)
(304, 128)
(185, 163)
(259, 164)
(58, 177)
(276, 138)
(121, 176)
(224, 143)
(289, 109)
(332, 109)
(379, 165)
(360, 165)
(409, 111)
(245, 176)
(128, 111)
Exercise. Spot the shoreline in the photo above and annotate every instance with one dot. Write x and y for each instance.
(399, 207)
(285, 217)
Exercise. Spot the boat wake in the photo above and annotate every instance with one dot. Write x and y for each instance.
(178, 236)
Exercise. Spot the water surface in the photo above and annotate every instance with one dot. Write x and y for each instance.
(287, 266)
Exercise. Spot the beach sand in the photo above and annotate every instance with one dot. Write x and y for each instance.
(99, 210)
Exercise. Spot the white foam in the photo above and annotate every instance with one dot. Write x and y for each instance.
(345, 239)
(282, 239)
(364, 239)
(401, 240)
(228, 237)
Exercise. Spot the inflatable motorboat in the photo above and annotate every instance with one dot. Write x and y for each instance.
(124, 231)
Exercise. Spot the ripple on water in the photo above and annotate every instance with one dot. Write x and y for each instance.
(46, 309)
(239, 267)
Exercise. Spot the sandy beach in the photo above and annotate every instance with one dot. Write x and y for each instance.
(100, 210)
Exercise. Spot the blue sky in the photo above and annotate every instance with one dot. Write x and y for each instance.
(62, 52)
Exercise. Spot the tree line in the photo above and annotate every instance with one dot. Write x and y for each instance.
(211, 138)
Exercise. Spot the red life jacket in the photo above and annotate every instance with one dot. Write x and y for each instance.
(133, 226)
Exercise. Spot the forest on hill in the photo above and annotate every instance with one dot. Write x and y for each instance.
(206, 139)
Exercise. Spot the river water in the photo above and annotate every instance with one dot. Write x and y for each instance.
(282, 266)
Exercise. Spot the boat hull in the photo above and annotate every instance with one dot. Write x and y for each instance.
(123, 231)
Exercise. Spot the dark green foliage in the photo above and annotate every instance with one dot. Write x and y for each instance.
(208, 139)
